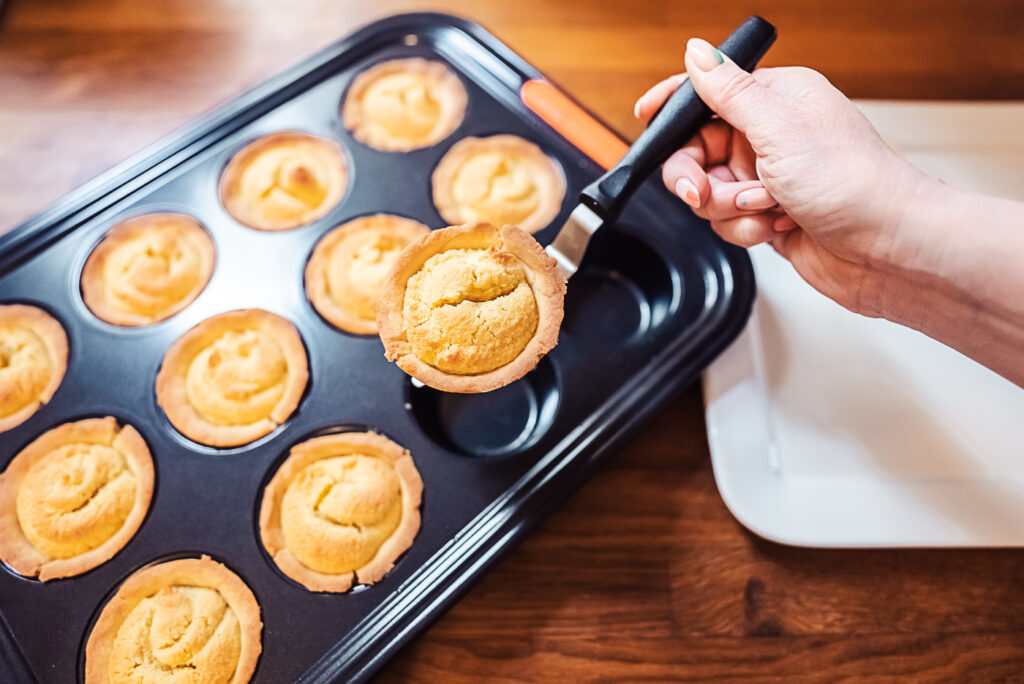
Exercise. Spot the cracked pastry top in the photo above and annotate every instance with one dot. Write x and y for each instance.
(283, 180)
(345, 273)
(147, 269)
(73, 498)
(471, 308)
(404, 104)
(233, 378)
(341, 509)
(189, 620)
(502, 179)
(33, 359)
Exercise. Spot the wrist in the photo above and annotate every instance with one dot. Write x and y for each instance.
(915, 218)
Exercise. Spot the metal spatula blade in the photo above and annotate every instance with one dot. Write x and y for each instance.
(571, 242)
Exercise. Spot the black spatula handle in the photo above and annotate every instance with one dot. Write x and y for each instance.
(673, 125)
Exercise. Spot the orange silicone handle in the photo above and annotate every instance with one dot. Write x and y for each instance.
(573, 122)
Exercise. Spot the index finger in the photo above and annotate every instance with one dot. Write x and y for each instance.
(650, 101)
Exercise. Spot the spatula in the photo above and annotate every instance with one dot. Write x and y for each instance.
(670, 128)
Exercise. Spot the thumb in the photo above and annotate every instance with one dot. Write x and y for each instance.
(728, 90)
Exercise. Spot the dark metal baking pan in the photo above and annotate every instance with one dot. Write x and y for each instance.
(657, 298)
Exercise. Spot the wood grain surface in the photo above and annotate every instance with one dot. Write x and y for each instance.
(643, 575)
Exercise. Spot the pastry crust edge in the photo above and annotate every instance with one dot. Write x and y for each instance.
(542, 274)
(92, 282)
(171, 391)
(315, 273)
(326, 446)
(18, 552)
(186, 571)
(54, 338)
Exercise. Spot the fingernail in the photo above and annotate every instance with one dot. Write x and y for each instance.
(687, 191)
(704, 55)
(636, 110)
(783, 223)
(755, 199)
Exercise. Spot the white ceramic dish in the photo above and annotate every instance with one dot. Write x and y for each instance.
(828, 429)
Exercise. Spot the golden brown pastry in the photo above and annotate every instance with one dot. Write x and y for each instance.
(33, 358)
(283, 180)
(502, 179)
(147, 268)
(471, 308)
(341, 509)
(233, 378)
(73, 498)
(188, 621)
(347, 269)
(404, 104)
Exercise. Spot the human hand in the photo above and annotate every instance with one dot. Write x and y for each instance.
(793, 162)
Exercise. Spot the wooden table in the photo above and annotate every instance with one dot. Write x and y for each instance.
(643, 575)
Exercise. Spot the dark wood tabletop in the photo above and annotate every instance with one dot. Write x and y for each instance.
(643, 574)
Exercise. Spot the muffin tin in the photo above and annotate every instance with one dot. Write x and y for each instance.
(657, 297)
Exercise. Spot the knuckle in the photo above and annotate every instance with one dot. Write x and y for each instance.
(745, 232)
(734, 86)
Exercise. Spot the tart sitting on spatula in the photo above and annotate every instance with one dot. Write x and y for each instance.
(471, 308)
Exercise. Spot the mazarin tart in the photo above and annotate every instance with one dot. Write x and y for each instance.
(471, 308)
(502, 179)
(283, 180)
(33, 359)
(73, 498)
(233, 378)
(346, 271)
(147, 269)
(404, 104)
(190, 621)
(341, 509)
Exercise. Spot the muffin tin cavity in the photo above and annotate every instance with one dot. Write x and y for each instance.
(147, 268)
(404, 104)
(284, 180)
(178, 619)
(501, 422)
(33, 360)
(340, 510)
(623, 290)
(234, 377)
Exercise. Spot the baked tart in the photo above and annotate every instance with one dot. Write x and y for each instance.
(502, 179)
(233, 378)
(33, 359)
(345, 273)
(73, 498)
(189, 620)
(471, 308)
(147, 269)
(404, 104)
(341, 509)
(283, 180)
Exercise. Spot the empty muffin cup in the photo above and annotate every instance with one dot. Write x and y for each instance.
(623, 290)
(504, 421)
